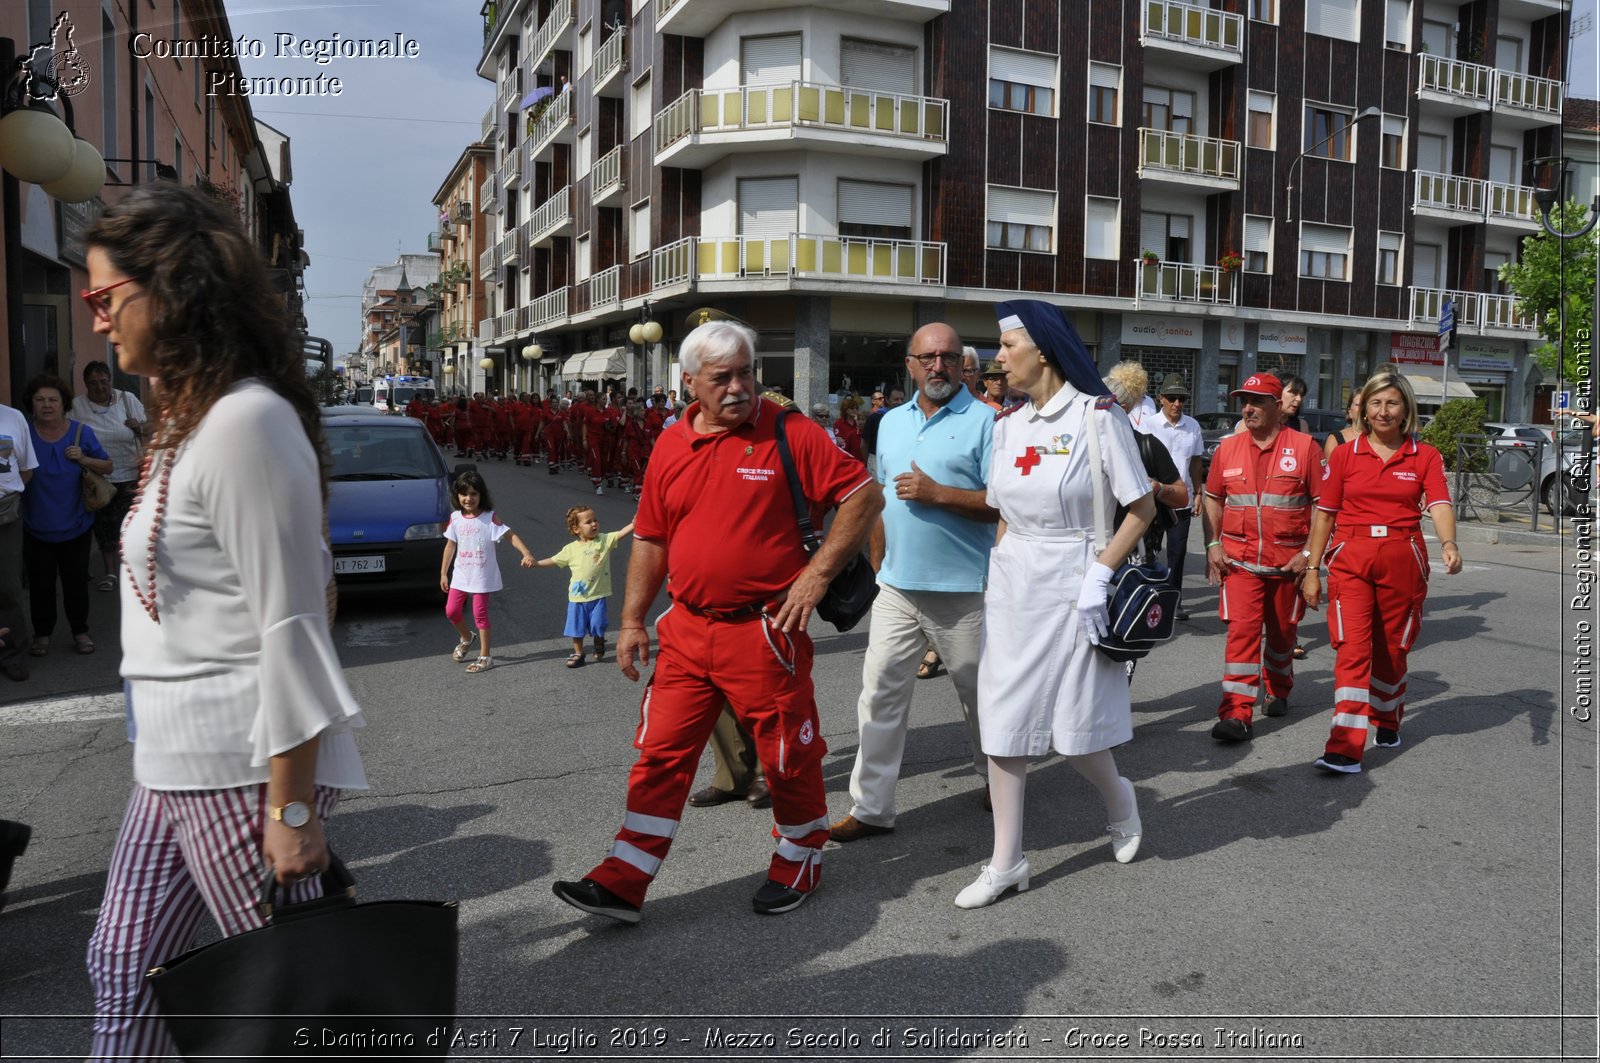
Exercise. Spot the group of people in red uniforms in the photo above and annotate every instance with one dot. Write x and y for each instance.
(610, 439)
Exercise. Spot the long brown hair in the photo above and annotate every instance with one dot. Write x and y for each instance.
(215, 317)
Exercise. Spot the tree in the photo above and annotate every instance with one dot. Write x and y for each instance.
(327, 386)
(1541, 288)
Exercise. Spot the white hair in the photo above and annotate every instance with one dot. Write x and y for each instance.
(716, 341)
(970, 354)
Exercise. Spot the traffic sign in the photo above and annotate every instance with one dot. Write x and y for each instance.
(1563, 400)
(1447, 317)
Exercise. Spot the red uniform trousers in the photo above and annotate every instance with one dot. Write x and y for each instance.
(1252, 604)
(555, 439)
(765, 676)
(1375, 592)
(598, 447)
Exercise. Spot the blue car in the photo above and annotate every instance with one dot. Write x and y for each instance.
(388, 500)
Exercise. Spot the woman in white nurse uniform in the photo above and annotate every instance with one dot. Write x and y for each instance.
(1042, 685)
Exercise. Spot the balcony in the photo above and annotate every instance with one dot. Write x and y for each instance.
(1504, 312)
(508, 323)
(1452, 86)
(554, 126)
(486, 263)
(463, 213)
(436, 242)
(491, 118)
(605, 179)
(552, 219)
(1185, 282)
(1523, 101)
(604, 288)
(696, 18)
(1188, 162)
(1193, 36)
(509, 172)
(702, 126)
(486, 330)
(489, 196)
(510, 248)
(1469, 200)
(554, 32)
(807, 256)
(550, 309)
(609, 63)
(509, 88)
(1426, 304)
(1511, 205)
(672, 265)
(1532, 10)
(525, 318)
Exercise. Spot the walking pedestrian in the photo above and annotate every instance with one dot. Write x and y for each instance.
(17, 463)
(117, 419)
(470, 539)
(588, 558)
(1180, 434)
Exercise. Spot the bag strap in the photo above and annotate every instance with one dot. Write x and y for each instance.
(1097, 471)
(77, 437)
(802, 512)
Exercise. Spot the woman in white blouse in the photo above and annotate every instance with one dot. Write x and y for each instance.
(117, 418)
(242, 712)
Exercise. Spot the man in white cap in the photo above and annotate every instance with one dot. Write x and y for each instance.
(1180, 434)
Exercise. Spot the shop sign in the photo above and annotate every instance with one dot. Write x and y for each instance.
(1414, 348)
(1485, 356)
(1281, 339)
(74, 219)
(1233, 335)
(1148, 330)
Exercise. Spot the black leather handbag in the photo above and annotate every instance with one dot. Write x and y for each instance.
(851, 593)
(323, 979)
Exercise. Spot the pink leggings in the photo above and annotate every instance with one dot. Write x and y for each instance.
(455, 608)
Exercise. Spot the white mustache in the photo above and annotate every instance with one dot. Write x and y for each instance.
(735, 401)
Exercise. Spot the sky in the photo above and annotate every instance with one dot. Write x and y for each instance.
(368, 161)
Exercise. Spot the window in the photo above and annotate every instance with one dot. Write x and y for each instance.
(642, 112)
(1503, 164)
(1327, 133)
(1394, 142)
(585, 160)
(1258, 132)
(1102, 228)
(581, 265)
(1104, 83)
(769, 206)
(1397, 25)
(878, 67)
(1439, 38)
(1169, 109)
(867, 208)
(585, 50)
(1432, 151)
(1168, 235)
(1492, 261)
(639, 230)
(1508, 54)
(1325, 252)
(1022, 81)
(1427, 265)
(1264, 10)
(773, 60)
(1021, 219)
(177, 158)
(1389, 257)
(1339, 19)
(1257, 244)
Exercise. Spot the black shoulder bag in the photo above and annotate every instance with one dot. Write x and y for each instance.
(851, 593)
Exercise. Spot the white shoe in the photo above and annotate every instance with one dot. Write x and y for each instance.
(1126, 833)
(992, 884)
(599, 490)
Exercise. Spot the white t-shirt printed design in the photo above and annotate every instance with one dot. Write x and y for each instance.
(477, 571)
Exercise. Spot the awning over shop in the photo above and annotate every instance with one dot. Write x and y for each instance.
(595, 365)
(1430, 388)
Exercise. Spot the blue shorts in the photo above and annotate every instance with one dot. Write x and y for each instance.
(586, 618)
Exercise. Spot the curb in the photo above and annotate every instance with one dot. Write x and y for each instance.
(1507, 534)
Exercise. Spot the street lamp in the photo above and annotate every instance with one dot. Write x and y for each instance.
(1547, 198)
(38, 147)
(531, 354)
(645, 332)
(1369, 112)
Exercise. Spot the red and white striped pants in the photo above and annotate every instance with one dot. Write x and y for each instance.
(179, 854)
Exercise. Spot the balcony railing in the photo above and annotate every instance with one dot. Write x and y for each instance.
(606, 176)
(552, 214)
(436, 241)
(510, 87)
(1184, 153)
(802, 104)
(1503, 311)
(1511, 203)
(605, 287)
(1527, 92)
(1186, 282)
(463, 212)
(550, 308)
(560, 20)
(672, 264)
(608, 60)
(510, 169)
(815, 256)
(508, 322)
(489, 196)
(510, 248)
(486, 262)
(1203, 27)
(525, 318)
(1427, 303)
(486, 330)
(1452, 77)
(555, 117)
(1471, 197)
(490, 118)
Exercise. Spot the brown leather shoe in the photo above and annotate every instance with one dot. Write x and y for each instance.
(712, 795)
(851, 829)
(759, 796)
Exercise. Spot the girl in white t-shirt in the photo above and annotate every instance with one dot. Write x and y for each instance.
(469, 542)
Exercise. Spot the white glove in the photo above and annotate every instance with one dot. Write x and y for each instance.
(1092, 612)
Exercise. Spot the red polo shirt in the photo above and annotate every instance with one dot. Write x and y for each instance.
(1364, 489)
(721, 505)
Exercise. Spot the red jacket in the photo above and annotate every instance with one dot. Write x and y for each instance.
(1267, 497)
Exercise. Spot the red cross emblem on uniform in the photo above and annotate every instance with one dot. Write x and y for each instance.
(1028, 460)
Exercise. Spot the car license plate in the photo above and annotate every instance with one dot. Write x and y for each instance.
(344, 566)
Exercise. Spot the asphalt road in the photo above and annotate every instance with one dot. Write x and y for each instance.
(1442, 903)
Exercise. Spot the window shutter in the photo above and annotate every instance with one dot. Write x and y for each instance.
(1333, 239)
(769, 206)
(1100, 237)
(582, 264)
(1397, 24)
(1425, 265)
(878, 67)
(1153, 233)
(1022, 68)
(1257, 233)
(1103, 76)
(1391, 242)
(867, 203)
(1024, 206)
(770, 60)
(1334, 18)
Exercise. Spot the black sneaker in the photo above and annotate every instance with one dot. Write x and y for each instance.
(1387, 739)
(1339, 763)
(589, 896)
(774, 898)
(1275, 706)
(1182, 615)
(1231, 729)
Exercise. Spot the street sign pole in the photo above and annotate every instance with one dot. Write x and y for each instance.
(1447, 324)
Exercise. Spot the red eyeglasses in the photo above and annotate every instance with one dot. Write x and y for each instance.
(96, 298)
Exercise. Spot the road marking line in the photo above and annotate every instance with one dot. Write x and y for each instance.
(377, 633)
(84, 709)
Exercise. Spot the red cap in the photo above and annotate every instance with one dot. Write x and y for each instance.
(1261, 384)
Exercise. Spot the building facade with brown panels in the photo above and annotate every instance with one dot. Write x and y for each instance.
(1211, 189)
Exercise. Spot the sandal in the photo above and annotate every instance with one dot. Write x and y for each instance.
(463, 648)
(1300, 652)
(930, 667)
(107, 582)
(482, 664)
(574, 660)
(39, 646)
(85, 644)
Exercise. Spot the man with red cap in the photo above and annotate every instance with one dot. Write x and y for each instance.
(1260, 493)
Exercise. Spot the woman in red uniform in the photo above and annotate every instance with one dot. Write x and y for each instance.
(461, 426)
(1377, 485)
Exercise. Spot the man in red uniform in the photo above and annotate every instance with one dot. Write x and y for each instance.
(1263, 484)
(555, 434)
(736, 632)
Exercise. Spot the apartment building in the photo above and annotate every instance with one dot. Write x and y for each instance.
(398, 304)
(1210, 188)
(458, 241)
(151, 119)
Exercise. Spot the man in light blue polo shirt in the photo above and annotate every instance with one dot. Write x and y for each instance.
(931, 548)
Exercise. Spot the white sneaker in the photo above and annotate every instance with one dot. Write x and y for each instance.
(1126, 833)
(992, 884)
(599, 490)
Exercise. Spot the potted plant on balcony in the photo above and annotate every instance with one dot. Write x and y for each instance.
(1149, 257)
(1230, 261)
